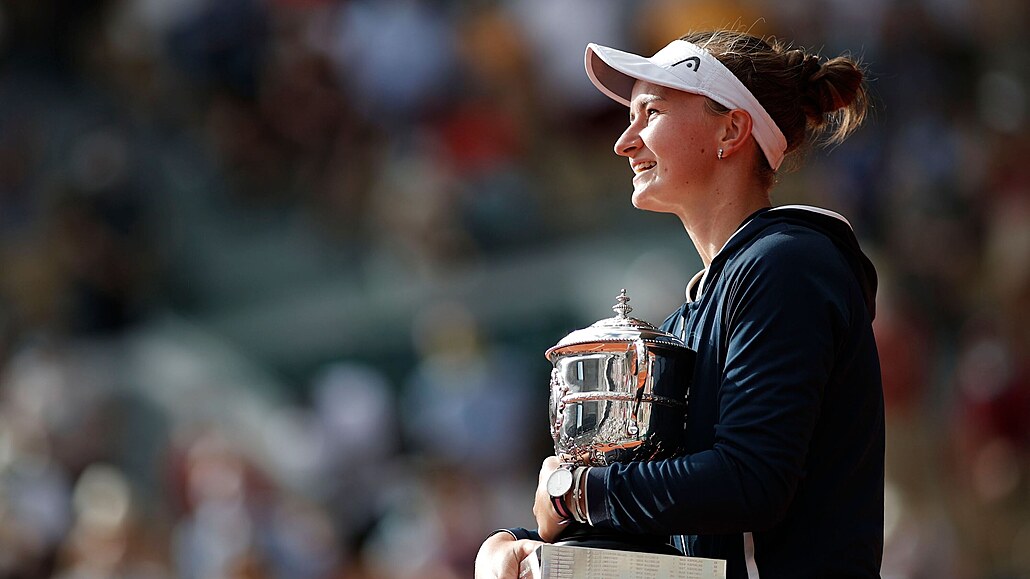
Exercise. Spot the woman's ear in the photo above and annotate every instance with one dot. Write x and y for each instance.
(736, 132)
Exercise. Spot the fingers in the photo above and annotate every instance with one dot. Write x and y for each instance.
(494, 558)
(500, 556)
(550, 464)
(524, 548)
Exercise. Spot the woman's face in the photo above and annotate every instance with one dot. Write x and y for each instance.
(671, 144)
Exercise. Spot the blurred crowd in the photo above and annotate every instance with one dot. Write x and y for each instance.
(165, 163)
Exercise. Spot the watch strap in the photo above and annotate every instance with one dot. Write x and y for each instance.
(561, 507)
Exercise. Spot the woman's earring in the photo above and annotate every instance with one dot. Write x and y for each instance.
(720, 154)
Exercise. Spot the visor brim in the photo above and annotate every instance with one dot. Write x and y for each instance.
(614, 73)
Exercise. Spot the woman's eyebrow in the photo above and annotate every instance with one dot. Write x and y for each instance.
(646, 100)
(641, 102)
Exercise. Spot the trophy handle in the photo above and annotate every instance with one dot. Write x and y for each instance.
(639, 371)
(641, 359)
(558, 391)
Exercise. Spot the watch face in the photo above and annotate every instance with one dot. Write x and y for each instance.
(560, 482)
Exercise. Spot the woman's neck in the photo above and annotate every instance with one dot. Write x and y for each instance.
(712, 224)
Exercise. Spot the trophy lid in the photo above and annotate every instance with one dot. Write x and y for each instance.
(621, 328)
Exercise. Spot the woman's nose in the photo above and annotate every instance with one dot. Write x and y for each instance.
(628, 141)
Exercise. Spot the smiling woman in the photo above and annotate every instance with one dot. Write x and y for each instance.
(783, 470)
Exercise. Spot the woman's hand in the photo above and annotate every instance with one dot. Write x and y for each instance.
(549, 524)
(500, 555)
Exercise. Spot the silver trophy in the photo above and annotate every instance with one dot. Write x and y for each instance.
(618, 393)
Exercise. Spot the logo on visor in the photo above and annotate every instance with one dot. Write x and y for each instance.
(693, 63)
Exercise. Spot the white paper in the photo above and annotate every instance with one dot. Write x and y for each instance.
(566, 562)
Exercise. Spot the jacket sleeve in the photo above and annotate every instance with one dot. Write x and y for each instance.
(785, 314)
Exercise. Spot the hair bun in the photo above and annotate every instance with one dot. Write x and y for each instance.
(811, 101)
(830, 86)
(809, 66)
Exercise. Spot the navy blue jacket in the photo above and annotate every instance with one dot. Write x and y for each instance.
(785, 433)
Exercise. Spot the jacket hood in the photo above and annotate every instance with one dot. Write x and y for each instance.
(830, 224)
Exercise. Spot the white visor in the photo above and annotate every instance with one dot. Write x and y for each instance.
(687, 67)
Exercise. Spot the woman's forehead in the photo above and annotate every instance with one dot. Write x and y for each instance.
(646, 90)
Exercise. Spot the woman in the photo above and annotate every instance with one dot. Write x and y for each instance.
(784, 472)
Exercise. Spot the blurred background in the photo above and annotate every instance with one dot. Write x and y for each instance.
(277, 276)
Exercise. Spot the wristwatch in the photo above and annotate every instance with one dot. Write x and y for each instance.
(559, 483)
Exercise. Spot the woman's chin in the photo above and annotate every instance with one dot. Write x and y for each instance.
(645, 202)
(639, 199)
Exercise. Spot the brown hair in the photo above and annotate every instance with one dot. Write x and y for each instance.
(812, 102)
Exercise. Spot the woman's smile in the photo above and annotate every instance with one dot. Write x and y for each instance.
(640, 167)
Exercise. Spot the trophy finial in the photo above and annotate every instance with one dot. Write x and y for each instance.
(622, 308)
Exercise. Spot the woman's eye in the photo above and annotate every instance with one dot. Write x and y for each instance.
(648, 113)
